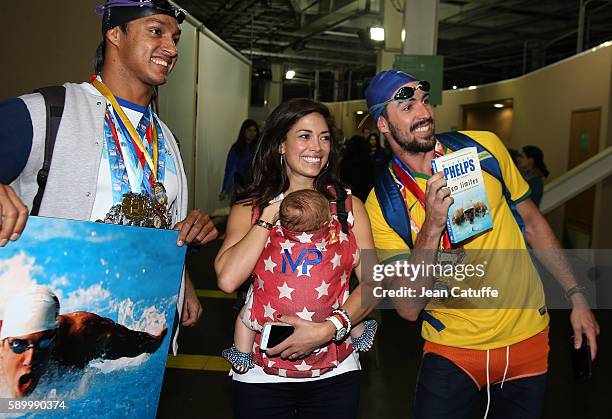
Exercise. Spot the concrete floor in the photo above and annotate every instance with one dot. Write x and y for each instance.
(389, 371)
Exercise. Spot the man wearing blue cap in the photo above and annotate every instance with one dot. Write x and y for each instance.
(466, 349)
(113, 159)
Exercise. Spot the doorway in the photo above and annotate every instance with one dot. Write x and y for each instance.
(584, 144)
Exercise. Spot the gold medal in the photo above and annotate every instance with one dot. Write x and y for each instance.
(135, 207)
(139, 209)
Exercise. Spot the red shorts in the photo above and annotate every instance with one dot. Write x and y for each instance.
(522, 359)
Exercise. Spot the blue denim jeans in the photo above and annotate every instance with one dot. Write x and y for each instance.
(330, 398)
(445, 391)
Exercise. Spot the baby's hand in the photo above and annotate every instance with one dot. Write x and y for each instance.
(279, 198)
(270, 213)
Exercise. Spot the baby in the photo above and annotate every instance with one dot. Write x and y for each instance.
(301, 211)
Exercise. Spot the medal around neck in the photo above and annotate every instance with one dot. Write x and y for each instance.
(140, 210)
(158, 191)
(150, 160)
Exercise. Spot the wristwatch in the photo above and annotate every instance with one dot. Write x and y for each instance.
(341, 329)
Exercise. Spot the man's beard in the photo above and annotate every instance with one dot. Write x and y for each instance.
(414, 146)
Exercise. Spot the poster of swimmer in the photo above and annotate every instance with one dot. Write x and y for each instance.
(87, 311)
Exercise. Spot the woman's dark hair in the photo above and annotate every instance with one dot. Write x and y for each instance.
(536, 154)
(101, 50)
(267, 178)
(241, 143)
(377, 138)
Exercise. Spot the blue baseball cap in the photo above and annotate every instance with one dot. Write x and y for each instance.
(382, 87)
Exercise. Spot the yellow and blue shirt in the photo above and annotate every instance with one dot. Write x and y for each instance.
(509, 269)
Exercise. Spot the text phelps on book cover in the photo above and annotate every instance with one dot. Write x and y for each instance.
(470, 214)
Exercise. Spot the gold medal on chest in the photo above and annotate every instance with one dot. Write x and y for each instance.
(135, 207)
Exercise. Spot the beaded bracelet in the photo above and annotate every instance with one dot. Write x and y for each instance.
(345, 316)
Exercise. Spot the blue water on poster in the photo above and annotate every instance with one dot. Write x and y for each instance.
(131, 275)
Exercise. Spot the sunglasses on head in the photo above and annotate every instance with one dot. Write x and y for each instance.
(407, 92)
(166, 6)
(161, 5)
(19, 346)
(404, 94)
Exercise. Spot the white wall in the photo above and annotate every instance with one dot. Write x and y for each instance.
(204, 102)
(223, 104)
(177, 101)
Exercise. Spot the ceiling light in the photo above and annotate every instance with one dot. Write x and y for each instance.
(290, 74)
(472, 88)
(359, 112)
(498, 105)
(454, 87)
(377, 33)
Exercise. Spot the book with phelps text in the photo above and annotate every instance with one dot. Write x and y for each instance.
(470, 213)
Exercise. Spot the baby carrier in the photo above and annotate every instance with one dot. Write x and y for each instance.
(305, 274)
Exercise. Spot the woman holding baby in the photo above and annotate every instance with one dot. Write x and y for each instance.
(300, 267)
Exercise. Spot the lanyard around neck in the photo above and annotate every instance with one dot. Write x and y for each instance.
(152, 162)
(405, 176)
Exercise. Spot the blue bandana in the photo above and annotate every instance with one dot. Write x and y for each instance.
(383, 86)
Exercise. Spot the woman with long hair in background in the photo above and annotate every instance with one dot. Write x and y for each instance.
(239, 158)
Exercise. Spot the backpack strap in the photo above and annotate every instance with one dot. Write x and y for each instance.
(393, 205)
(54, 97)
(456, 141)
(341, 206)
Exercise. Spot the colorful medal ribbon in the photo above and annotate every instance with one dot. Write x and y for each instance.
(151, 161)
(403, 173)
(134, 160)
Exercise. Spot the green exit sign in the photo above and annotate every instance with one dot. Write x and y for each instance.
(424, 67)
(584, 140)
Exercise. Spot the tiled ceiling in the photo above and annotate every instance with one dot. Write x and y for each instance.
(481, 40)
